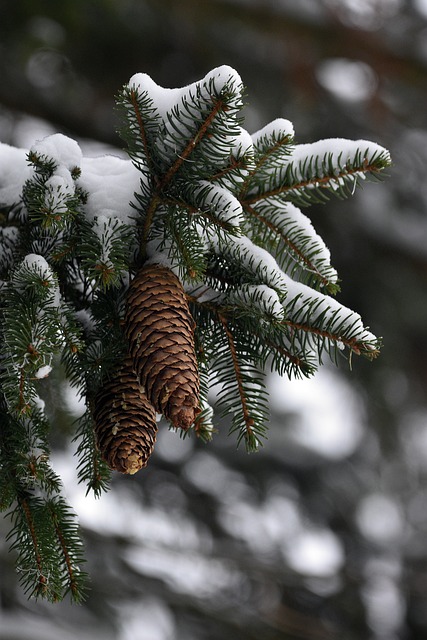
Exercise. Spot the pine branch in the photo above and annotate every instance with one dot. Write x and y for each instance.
(310, 174)
(73, 579)
(247, 417)
(41, 581)
(289, 241)
(217, 107)
(200, 199)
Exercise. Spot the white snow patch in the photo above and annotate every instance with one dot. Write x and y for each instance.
(38, 264)
(278, 128)
(111, 183)
(260, 296)
(223, 204)
(338, 151)
(63, 150)
(301, 297)
(243, 144)
(43, 372)
(35, 262)
(164, 98)
(14, 171)
(256, 258)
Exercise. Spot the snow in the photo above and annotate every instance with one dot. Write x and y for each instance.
(338, 152)
(43, 372)
(257, 259)
(243, 144)
(63, 150)
(277, 129)
(38, 264)
(302, 304)
(111, 183)
(35, 262)
(260, 296)
(177, 132)
(300, 296)
(59, 187)
(293, 223)
(165, 99)
(223, 204)
(14, 171)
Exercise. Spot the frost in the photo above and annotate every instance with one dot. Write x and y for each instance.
(59, 148)
(14, 171)
(110, 183)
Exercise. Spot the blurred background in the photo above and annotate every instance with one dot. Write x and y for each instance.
(322, 535)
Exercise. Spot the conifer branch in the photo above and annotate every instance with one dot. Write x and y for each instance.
(263, 158)
(303, 258)
(322, 182)
(218, 106)
(227, 271)
(235, 165)
(249, 421)
(41, 578)
(141, 126)
(192, 210)
(73, 579)
(356, 346)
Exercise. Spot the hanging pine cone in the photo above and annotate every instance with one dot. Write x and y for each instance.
(125, 421)
(160, 331)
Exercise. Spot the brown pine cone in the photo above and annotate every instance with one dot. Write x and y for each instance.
(125, 421)
(160, 331)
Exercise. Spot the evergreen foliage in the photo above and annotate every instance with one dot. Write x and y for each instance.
(213, 204)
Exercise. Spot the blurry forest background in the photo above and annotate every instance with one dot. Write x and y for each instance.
(322, 535)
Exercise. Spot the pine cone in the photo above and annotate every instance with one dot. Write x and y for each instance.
(125, 421)
(160, 331)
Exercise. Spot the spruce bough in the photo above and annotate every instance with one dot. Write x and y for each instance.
(150, 279)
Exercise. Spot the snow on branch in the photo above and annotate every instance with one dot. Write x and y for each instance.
(228, 277)
(311, 172)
